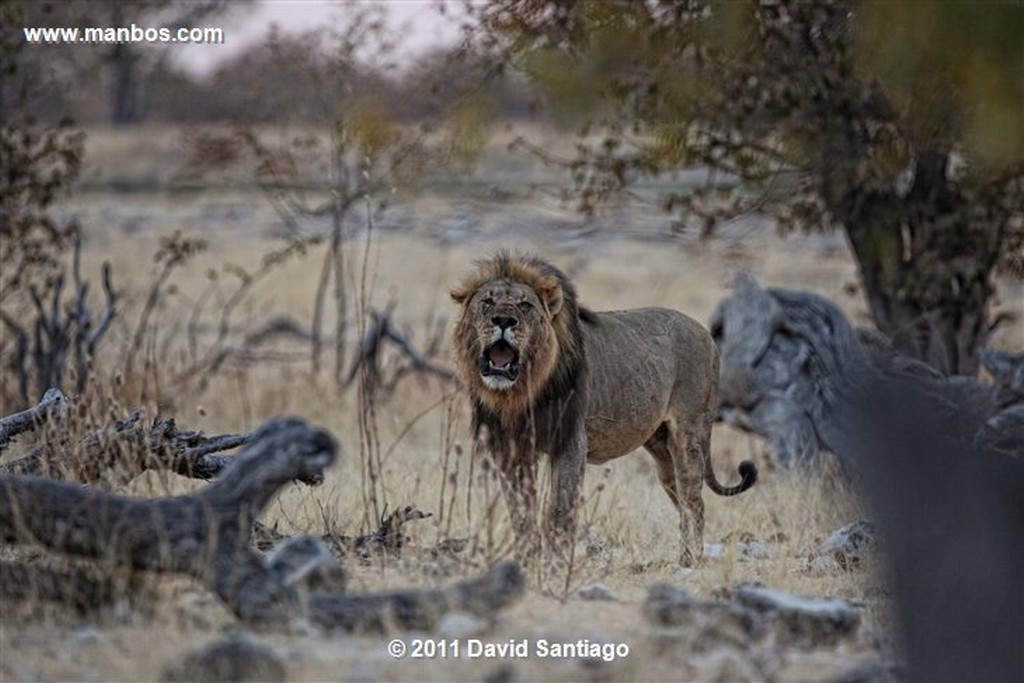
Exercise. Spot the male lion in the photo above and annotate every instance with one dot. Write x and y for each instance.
(547, 375)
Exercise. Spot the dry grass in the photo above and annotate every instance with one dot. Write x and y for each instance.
(424, 442)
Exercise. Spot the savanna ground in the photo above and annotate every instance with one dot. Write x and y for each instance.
(625, 257)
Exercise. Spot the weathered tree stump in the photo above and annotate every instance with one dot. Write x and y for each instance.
(930, 453)
(790, 357)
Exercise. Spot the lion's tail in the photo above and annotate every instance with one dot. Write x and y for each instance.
(748, 474)
(748, 470)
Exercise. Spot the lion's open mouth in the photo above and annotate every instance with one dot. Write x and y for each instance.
(500, 361)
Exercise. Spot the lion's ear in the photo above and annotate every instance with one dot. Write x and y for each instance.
(460, 294)
(553, 297)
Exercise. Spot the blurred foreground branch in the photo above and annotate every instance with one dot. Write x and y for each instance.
(206, 535)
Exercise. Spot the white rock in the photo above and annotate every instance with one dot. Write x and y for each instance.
(714, 550)
(596, 591)
(683, 573)
(850, 544)
(755, 550)
(461, 625)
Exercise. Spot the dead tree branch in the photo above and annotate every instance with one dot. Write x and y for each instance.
(388, 539)
(27, 420)
(206, 535)
(382, 330)
(61, 330)
(118, 452)
(419, 610)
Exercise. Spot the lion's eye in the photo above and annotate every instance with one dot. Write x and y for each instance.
(487, 302)
(525, 306)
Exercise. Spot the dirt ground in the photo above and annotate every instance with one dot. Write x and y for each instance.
(627, 256)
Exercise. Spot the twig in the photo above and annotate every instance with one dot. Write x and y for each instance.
(369, 351)
(20, 364)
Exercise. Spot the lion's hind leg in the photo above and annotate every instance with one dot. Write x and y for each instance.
(677, 454)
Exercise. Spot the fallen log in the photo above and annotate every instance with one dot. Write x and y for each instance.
(25, 582)
(206, 535)
(419, 610)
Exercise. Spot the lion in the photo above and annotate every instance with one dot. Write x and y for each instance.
(549, 376)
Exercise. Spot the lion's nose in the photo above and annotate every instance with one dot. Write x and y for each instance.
(504, 321)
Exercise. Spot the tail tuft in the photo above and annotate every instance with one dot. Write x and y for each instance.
(748, 473)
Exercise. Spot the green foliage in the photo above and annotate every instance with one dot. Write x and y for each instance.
(843, 93)
(952, 69)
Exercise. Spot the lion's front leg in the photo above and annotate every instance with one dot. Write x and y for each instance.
(567, 470)
(518, 474)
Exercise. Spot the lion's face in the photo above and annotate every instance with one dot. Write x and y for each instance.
(517, 326)
(510, 329)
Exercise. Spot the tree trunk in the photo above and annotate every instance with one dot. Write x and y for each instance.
(925, 260)
(123, 100)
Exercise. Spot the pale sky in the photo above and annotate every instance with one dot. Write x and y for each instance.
(248, 23)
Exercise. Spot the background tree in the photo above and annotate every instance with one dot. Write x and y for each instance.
(39, 162)
(119, 70)
(900, 123)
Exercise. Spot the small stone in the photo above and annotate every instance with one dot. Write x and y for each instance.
(667, 605)
(306, 561)
(803, 621)
(87, 635)
(755, 550)
(684, 573)
(851, 544)
(714, 550)
(461, 625)
(238, 658)
(596, 591)
(821, 565)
